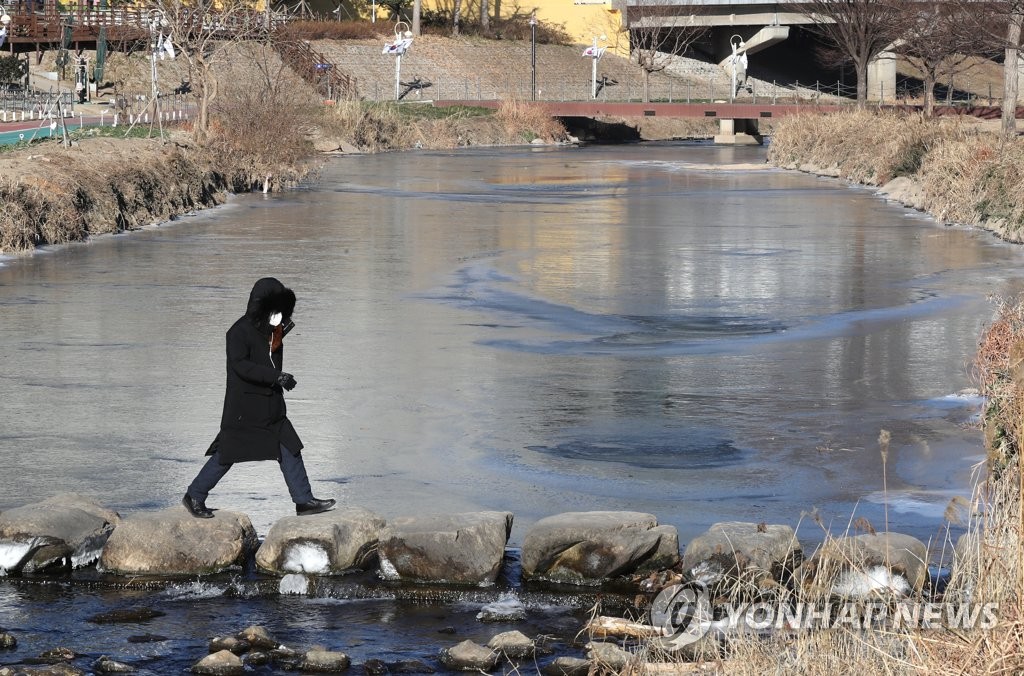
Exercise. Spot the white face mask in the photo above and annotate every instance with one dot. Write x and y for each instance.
(275, 319)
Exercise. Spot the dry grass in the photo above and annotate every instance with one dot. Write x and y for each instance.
(524, 123)
(999, 369)
(388, 126)
(862, 146)
(62, 195)
(373, 128)
(965, 175)
(978, 180)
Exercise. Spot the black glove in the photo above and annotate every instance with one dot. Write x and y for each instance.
(286, 380)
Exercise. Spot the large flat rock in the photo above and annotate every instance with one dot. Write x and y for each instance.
(64, 529)
(589, 548)
(465, 548)
(173, 542)
(330, 543)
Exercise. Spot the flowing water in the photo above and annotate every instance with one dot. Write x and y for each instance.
(668, 328)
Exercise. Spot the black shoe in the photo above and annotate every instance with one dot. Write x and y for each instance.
(314, 506)
(196, 507)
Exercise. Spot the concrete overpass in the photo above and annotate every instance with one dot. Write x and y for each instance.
(759, 23)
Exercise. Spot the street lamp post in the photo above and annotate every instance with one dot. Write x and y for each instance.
(400, 45)
(533, 54)
(595, 53)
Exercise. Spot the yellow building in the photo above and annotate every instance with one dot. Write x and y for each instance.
(583, 20)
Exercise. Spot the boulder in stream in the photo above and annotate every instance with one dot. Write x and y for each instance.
(743, 552)
(589, 548)
(173, 542)
(322, 544)
(463, 548)
(66, 529)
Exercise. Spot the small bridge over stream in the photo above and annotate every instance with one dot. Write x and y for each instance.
(738, 122)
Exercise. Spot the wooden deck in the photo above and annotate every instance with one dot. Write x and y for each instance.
(40, 26)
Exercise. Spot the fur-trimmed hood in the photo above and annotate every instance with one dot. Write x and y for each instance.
(267, 297)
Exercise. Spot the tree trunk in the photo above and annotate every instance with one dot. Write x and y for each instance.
(1010, 75)
(929, 91)
(416, 8)
(647, 86)
(456, 16)
(207, 93)
(485, 19)
(861, 66)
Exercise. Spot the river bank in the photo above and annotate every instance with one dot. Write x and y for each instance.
(105, 183)
(960, 171)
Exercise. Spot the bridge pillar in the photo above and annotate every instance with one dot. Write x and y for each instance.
(738, 132)
(882, 78)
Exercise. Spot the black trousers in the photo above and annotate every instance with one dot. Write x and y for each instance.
(292, 467)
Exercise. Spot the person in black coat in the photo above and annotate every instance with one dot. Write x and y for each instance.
(254, 424)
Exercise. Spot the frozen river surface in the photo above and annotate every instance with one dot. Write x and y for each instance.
(657, 328)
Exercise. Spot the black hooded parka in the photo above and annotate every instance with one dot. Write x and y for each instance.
(255, 423)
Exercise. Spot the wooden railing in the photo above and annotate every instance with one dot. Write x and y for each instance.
(47, 26)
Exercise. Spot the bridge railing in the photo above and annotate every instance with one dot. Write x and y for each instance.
(631, 90)
(674, 92)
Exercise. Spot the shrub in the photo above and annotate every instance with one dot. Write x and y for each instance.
(305, 29)
(513, 27)
(12, 69)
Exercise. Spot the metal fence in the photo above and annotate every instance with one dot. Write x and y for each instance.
(140, 104)
(32, 103)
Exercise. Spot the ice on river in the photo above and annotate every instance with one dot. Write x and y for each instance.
(13, 554)
(508, 608)
(306, 558)
(294, 583)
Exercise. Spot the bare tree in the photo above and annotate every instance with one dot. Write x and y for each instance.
(937, 42)
(485, 19)
(859, 29)
(456, 17)
(200, 32)
(661, 30)
(997, 29)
